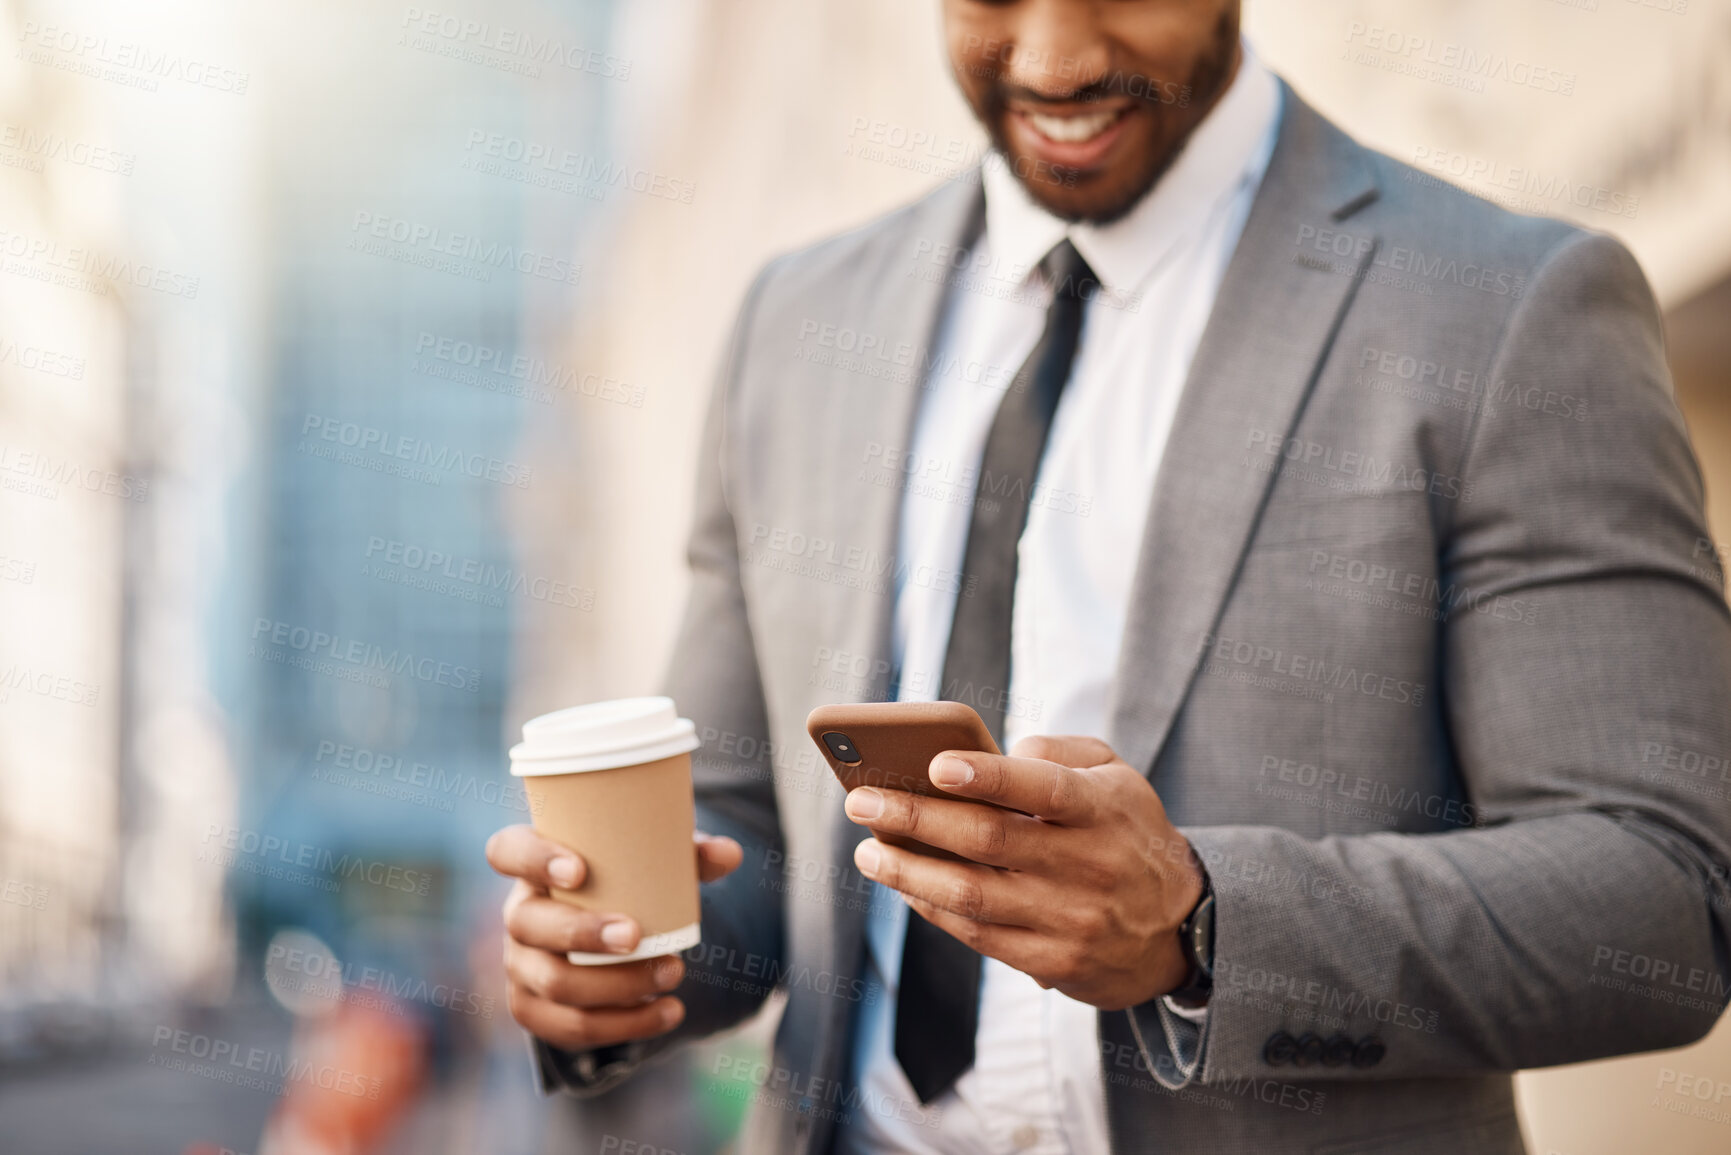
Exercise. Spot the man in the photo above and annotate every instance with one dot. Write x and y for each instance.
(1346, 523)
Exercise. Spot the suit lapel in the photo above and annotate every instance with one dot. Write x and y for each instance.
(901, 304)
(903, 301)
(1273, 321)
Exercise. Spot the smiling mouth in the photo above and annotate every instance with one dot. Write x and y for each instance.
(1074, 129)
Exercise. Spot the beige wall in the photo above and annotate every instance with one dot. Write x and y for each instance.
(768, 92)
(759, 102)
(1648, 118)
(1642, 1103)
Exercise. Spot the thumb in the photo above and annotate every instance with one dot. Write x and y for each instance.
(717, 856)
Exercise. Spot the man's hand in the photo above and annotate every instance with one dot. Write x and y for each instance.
(579, 1007)
(1083, 891)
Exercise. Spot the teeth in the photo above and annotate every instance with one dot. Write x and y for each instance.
(1071, 129)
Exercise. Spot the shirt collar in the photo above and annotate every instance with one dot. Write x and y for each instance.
(1228, 150)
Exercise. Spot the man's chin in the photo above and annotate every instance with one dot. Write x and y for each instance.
(1093, 198)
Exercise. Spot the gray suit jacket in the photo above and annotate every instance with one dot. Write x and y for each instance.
(1428, 656)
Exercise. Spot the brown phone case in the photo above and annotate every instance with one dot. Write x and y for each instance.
(895, 743)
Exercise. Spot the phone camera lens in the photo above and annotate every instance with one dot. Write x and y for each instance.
(842, 747)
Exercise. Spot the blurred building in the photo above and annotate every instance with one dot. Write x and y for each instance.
(63, 424)
(281, 288)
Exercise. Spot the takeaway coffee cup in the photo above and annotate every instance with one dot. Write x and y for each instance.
(612, 780)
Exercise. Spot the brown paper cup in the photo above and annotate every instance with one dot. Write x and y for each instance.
(613, 782)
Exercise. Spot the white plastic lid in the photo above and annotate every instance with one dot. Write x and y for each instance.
(603, 736)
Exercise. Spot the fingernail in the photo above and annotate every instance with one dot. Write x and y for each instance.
(563, 870)
(865, 803)
(618, 936)
(666, 974)
(670, 1014)
(867, 857)
(952, 772)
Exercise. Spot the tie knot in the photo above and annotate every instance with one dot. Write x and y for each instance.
(1071, 276)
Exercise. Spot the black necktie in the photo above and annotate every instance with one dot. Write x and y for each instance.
(937, 1007)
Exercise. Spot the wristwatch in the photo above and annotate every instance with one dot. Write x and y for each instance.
(1196, 939)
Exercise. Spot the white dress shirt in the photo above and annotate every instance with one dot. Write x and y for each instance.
(1036, 1084)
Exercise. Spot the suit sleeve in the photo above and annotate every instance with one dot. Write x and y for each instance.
(714, 680)
(1584, 915)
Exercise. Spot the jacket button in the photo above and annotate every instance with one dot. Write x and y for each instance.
(1280, 1049)
(1309, 1047)
(1338, 1051)
(1369, 1052)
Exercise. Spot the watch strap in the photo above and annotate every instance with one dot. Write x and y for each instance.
(1196, 940)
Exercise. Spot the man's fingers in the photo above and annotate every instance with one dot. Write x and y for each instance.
(977, 833)
(519, 852)
(580, 1028)
(1064, 749)
(717, 856)
(552, 977)
(1018, 946)
(1048, 789)
(977, 893)
(548, 924)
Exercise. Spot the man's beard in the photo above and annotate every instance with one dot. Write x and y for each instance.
(1164, 140)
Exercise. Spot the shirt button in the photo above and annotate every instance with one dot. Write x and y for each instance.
(1025, 1136)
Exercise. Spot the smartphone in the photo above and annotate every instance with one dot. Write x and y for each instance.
(892, 744)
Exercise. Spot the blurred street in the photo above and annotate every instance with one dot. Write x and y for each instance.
(123, 1102)
(132, 1099)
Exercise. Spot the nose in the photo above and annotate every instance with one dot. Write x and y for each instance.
(1059, 46)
